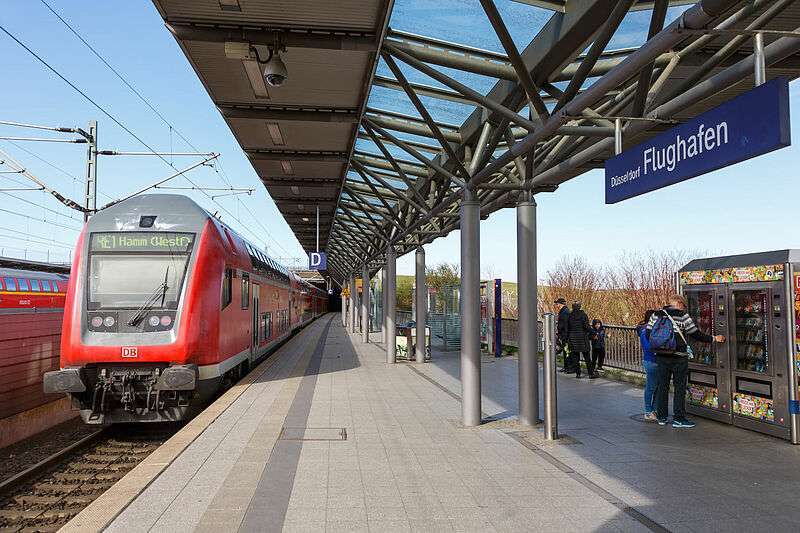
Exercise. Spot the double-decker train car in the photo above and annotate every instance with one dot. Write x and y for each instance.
(31, 307)
(166, 305)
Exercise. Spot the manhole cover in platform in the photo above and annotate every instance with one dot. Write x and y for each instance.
(313, 434)
(640, 418)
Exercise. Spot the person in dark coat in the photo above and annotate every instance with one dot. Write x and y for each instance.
(578, 333)
(562, 334)
(598, 337)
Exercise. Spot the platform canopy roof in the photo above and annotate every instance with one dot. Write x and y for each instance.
(392, 108)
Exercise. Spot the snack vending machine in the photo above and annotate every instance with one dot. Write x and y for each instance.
(751, 380)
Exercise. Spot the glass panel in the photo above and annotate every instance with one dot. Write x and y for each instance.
(752, 349)
(11, 285)
(35, 285)
(701, 309)
(46, 285)
(123, 280)
(23, 284)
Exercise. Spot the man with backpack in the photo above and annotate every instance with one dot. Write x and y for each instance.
(667, 331)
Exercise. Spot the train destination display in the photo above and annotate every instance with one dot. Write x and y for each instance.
(752, 124)
(141, 241)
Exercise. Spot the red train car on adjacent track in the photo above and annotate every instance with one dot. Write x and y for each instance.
(166, 305)
(31, 306)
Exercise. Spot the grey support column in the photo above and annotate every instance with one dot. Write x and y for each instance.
(353, 304)
(391, 306)
(528, 371)
(421, 294)
(470, 311)
(365, 304)
(383, 304)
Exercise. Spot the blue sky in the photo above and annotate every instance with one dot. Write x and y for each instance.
(746, 208)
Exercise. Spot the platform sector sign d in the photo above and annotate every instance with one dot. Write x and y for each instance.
(317, 261)
(750, 125)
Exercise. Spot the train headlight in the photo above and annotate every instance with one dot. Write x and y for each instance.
(109, 321)
(97, 321)
(166, 321)
(153, 321)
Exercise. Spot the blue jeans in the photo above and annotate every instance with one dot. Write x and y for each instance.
(651, 386)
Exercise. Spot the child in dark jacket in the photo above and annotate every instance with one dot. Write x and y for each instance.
(598, 337)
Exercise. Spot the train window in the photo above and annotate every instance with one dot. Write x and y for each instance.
(46, 285)
(23, 284)
(59, 285)
(11, 285)
(35, 285)
(245, 291)
(227, 286)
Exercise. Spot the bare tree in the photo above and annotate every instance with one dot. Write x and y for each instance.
(575, 280)
(646, 280)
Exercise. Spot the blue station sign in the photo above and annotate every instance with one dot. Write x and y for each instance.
(317, 261)
(750, 125)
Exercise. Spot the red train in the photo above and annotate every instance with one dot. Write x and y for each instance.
(31, 307)
(165, 306)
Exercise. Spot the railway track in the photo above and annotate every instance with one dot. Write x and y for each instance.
(49, 494)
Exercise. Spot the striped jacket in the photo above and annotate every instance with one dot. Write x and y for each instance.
(684, 323)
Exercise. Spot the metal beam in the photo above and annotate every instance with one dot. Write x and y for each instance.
(257, 112)
(657, 19)
(775, 52)
(412, 125)
(397, 168)
(289, 37)
(401, 195)
(373, 160)
(293, 181)
(426, 116)
(411, 151)
(418, 145)
(596, 50)
(257, 154)
(524, 76)
(470, 93)
(697, 17)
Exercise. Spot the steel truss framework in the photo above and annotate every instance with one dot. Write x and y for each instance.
(526, 135)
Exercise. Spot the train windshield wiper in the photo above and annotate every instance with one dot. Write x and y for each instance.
(160, 292)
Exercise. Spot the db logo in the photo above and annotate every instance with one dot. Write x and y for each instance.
(130, 351)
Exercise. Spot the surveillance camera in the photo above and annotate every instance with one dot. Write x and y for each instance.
(275, 72)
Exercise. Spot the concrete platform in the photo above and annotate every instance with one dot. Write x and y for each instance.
(328, 437)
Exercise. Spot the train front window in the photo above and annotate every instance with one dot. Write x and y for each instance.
(127, 269)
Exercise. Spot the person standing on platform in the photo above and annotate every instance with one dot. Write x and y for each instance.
(667, 331)
(562, 331)
(578, 332)
(598, 337)
(650, 369)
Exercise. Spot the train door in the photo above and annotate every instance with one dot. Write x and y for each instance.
(708, 391)
(254, 309)
(759, 356)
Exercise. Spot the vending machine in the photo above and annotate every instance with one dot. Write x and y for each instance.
(751, 380)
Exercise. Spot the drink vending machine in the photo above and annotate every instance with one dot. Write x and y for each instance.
(751, 380)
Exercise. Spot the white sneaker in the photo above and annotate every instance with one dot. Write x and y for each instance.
(650, 417)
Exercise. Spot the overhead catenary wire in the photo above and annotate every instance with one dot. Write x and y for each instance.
(44, 220)
(122, 126)
(52, 165)
(36, 240)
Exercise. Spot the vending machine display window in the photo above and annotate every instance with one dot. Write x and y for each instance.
(701, 309)
(752, 316)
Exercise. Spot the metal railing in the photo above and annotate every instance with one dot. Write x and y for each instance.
(623, 349)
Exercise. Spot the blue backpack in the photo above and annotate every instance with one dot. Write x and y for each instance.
(662, 335)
